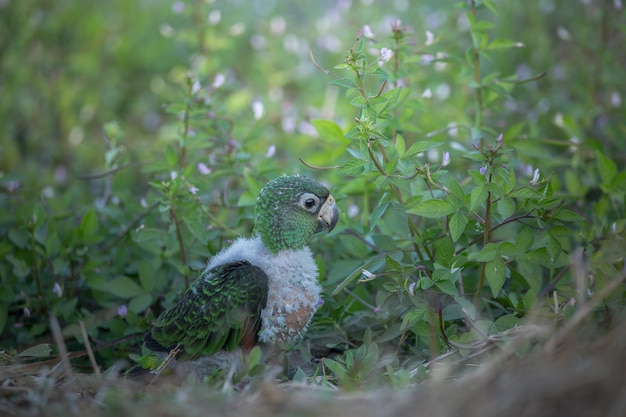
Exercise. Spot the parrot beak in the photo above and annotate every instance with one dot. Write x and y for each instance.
(328, 215)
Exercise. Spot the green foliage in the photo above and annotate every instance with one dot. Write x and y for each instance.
(480, 178)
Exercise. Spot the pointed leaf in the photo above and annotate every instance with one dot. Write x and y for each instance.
(400, 146)
(606, 167)
(418, 147)
(89, 224)
(330, 131)
(38, 351)
(488, 253)
(432, 209)
(353, 167)
(124, 287)
(495, 272)
(458, 223)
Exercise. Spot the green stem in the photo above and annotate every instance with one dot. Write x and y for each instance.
(479, 90)
(486, 238)
(181, 243)
(35, 267)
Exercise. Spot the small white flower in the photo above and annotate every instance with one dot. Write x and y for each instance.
(178, 7)
(219, 80)
(427, 93)
(193, 190)
(57, 289)
(353, 210)
(535, 179)
(558, 120)
(257, 109)
(385, 54)
(237, 29)
(563, 33)
(412, 288)
(430, 38)
(616, 99)
(271, 151)
(367, 31)
(195, 87)
(215, 17)
(366, 276)
(203, 169)
(27, 311)
(445, 160)
(173, 175)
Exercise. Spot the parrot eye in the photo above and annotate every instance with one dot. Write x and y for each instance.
(309, 201)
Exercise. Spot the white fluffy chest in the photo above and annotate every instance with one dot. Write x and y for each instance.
(293, 293)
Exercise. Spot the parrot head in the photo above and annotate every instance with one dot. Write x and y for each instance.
(290, 209)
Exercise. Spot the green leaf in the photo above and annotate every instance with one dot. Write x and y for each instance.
(124, 287)
(42, 350)
(330, 131)
(396, 219)
(377, 214)
(495, 272)
(353, 167)
(525, 239)
(89, 224)
(140, 303)
(146, 275)
(467, 305)
(53, 245)
(171, 157)
(447, 287)
(509, 250)
(506, 322)
(491, 5)
(19, 238)
(506, 207)
(530, 299)
(343, 82)
(418, 147)
(501, 44)
(20, 267)
(567, 216)
(526, 192)
(488, 253)
(553, 247)
(444, 251)
(607, 168)
(457, 224)
(432, 209)
(255, 357)
(400, 146)
(478, 196)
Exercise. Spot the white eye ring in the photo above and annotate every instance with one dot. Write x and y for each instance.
(309, 201)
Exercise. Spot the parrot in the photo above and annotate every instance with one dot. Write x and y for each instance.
(260, 290)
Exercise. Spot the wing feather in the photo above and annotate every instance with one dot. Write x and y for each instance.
(219, 311)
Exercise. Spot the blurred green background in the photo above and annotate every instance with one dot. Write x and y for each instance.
(102, 103)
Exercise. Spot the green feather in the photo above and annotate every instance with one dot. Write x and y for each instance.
(280, 221)
(212, 313)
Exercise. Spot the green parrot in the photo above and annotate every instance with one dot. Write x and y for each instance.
(261, 289)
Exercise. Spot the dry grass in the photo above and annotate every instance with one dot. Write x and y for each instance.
(582, 373)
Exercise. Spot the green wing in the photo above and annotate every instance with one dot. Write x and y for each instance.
(221, 310)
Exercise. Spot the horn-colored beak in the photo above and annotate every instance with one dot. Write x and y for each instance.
(328, 215)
